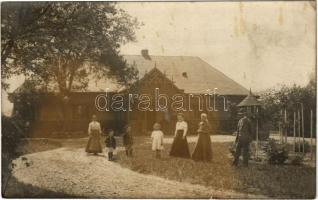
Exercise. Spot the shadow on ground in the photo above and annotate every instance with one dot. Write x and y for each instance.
(16, 189)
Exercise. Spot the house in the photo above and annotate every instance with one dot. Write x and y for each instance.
(189, 77)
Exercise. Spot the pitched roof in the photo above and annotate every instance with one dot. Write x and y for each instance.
(250, 100)
(191, 74)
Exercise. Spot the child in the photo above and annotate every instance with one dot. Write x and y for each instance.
(128, 140)
(110, 144)
(157, 139)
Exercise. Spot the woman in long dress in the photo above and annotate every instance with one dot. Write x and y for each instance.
(94, 133)
(180, 146)
(203, 150)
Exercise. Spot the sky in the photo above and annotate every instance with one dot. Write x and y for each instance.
(258, 44)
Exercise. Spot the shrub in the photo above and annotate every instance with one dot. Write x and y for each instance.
(276, 153)
(297, 160)
(12, 132)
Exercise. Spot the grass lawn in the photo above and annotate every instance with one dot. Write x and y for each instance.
(285, 181)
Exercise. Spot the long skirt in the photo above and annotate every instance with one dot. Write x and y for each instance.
(180, 146)
(203, 149)
(94, 143)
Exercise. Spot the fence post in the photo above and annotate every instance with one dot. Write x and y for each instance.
(303, 128)
(298, 112)
(294, 131)
(285, 125)
(311, 130)
(257, 132)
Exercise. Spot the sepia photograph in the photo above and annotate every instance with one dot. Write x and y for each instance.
(158, 100)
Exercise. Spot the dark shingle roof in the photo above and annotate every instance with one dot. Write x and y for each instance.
(250, 100)
(191, 74)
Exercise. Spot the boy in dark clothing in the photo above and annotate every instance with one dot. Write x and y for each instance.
(110, 144)
(128, 141)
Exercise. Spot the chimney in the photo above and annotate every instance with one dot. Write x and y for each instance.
(145, 54)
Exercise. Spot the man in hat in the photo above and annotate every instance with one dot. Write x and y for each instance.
(243, 138)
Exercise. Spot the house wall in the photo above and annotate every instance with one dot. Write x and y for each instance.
(222, 121)
(142, 121)
(53, 117)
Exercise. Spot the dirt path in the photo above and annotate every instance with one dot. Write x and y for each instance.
(71, 171)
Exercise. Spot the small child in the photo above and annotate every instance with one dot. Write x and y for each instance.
(200, 127)
(157, 139)
(110, 144)
(128, 140)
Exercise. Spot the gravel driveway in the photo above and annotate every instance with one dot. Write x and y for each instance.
(69, 170)
(72, 172)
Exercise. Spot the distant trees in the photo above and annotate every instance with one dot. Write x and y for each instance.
(290, 98)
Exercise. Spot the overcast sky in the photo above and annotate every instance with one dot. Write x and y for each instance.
(258, 44)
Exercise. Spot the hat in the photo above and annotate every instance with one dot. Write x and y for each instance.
(242, 112)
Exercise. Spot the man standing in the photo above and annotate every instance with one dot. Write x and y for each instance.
(243, 139)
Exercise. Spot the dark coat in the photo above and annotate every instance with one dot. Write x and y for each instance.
(244, 130)
(128, 139)
(205, 127)
(203, 149)
(110, 142)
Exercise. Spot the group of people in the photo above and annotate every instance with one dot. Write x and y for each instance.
(180, 147)
(94, 142)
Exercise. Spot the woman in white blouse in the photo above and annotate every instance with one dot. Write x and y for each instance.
(180, 146)
(94, 133)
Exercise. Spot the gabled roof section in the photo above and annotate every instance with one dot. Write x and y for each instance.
(250, 100)
(191, 74)
(149, 75)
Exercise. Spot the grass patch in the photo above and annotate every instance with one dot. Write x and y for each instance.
(284, 181)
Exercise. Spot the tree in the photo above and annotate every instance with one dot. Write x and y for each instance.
(289, 98)
(65, 43)
(52, 42)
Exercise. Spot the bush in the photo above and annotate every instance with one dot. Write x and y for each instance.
(11, 137)
(12, 132)
(276, 153)
(297, 160)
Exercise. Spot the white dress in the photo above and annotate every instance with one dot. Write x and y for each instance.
(157, 140)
